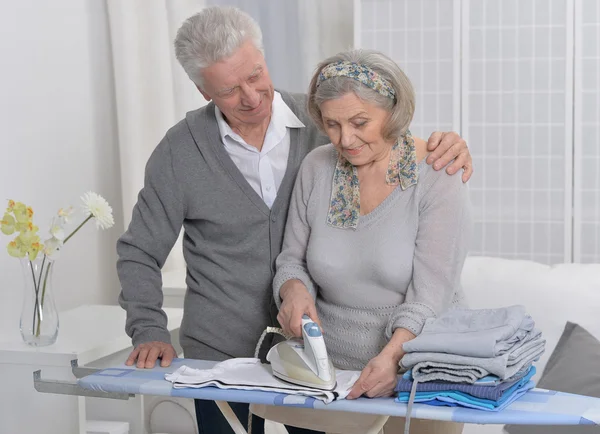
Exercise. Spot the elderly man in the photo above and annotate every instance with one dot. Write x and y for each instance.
(225, 173)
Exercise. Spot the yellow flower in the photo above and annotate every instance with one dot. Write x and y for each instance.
(20, 212)
(34, 250)
(28, 238)
(26, 226)
(14, 250)
(26, 242)
(7, 224)
(18, 218)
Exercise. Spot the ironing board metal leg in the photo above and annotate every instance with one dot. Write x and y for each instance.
(377, 427)
(232, 419)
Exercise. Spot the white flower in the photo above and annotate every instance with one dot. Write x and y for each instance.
(96, 206)
(56, 230)
(66, 214)
(51, 247)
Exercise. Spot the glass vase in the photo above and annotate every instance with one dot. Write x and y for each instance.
(39, 317)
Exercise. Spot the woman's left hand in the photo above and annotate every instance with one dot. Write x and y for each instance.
(379, 378)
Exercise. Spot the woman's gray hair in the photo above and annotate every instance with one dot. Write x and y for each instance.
(211, 35)
(401, 109)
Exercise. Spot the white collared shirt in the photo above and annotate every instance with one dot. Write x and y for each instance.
(264, 170)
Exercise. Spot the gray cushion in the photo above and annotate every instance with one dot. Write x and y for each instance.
(573, 367)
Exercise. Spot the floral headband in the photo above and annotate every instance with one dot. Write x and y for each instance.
(360, 73)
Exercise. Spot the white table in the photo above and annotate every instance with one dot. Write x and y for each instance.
(95, 336)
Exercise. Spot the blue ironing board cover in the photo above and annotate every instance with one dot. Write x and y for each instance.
(536, 407)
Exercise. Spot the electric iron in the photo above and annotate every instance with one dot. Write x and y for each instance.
(304, 363)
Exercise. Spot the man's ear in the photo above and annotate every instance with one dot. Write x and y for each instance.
(204, 94)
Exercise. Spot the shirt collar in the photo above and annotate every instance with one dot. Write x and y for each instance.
(282, 117)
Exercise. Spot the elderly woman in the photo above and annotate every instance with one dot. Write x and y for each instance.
(375, 239)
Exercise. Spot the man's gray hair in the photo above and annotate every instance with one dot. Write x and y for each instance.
(212, 35)
(401, 110)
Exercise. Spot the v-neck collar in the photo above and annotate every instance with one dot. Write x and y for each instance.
(207, 124)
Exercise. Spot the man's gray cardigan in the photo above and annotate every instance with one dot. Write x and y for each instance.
(230, 243)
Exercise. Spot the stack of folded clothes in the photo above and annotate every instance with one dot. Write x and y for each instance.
(472, 358)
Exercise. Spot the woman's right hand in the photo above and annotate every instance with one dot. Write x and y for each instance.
(296, 301)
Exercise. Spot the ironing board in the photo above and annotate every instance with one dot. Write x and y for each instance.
(536, 407)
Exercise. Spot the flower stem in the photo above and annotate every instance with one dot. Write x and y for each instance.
(35, 290)
(38, 306)
(37, 309)
(37, 333)
(78, 227)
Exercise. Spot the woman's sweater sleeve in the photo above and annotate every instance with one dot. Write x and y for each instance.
(441, 247)
(291, 262)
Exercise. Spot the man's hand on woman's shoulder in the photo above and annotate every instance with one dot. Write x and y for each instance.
(449, 148)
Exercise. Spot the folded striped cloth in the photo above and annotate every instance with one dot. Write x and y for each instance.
(486, 389)
(486, 397)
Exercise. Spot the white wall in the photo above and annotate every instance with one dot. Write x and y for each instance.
(58, 123)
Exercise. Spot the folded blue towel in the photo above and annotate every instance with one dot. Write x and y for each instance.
(455, 397)
(452, 402)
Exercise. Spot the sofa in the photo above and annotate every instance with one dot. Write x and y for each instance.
(553, 296)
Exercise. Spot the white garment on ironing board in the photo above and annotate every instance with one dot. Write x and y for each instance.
(251, 374)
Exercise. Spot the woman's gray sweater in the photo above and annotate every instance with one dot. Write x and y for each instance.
(400, 266)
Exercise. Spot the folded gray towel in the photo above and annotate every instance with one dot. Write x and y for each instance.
(504, 366)
(434, 371)
(461, 374)
(475, 332)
